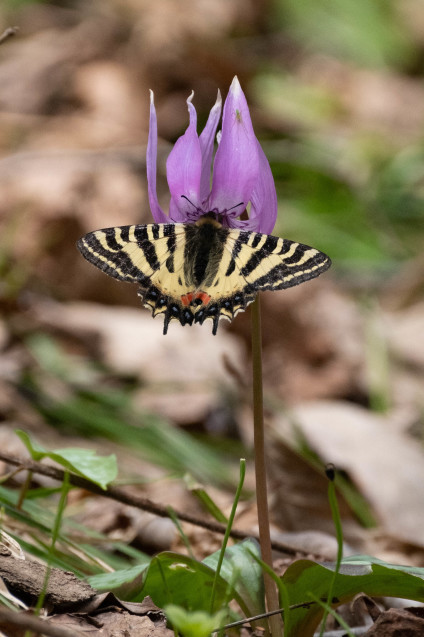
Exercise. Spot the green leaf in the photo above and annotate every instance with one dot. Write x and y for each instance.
(169, 578)
(200, 493)
(357, 575)
(41, 492)
(194, 623)
(81, 558)
(244, 573)
(98, 469)
(125, 583)
(181, 580)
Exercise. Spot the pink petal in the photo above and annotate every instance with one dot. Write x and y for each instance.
(236, 162)
(179, 215)
(151, 157)
(184, 165)
(207, 139)
(264, 207)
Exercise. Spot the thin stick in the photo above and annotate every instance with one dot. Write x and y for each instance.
(271, 593)
(39, 626)
(137, 501)
(255, 618)
(8, 33)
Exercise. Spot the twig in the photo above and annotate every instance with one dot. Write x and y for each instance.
(120, 495)
(8, 34)
(357, 631)
(249, 620)
(39, 626)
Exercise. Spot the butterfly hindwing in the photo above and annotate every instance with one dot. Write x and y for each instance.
(201, 271)
(151, 255)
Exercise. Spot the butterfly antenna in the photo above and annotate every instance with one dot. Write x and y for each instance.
(232, 207)
(184, 197)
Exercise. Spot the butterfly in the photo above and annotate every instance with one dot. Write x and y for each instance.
(200, 271)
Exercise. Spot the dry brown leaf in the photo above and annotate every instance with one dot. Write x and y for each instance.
(112, 624)
(127, 524)
(398, 623)
(44, 62)
(371, 100)
(184, 407)
(131, 342)
(405, 335)
(386, 466)
(312, 342)
(299, 492)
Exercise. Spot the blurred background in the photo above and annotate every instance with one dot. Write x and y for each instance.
(336, 93)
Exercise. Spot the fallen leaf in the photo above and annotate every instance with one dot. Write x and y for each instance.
(386, 466)
(131, 342)
(397, 622)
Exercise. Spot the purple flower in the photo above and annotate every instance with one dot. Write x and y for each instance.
(241, 172)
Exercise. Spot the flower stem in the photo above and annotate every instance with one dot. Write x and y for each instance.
(271, 594)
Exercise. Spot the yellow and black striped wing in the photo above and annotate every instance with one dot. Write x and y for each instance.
(151, 255)
(266, 262)
(253, 262)
(202, 271)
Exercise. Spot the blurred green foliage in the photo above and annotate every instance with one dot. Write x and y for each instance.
(73, 397)
(355, 191)
(17, 4)
(358, 196)
(86, 556)
(365, 32)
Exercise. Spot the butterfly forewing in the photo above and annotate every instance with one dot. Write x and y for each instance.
(197, 272)
(270, 263)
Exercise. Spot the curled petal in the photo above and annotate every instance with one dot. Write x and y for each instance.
(151, 157)
(236, 163)
(207, 139)
(263, 211)
(184, 165)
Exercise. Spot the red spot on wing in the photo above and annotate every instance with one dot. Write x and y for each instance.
(186, 299)
(205, 298)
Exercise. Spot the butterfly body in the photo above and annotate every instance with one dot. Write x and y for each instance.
(200, 271)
